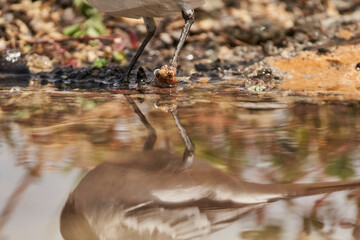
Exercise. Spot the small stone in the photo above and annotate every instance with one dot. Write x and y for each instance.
(357, 67)
(166, 38)
(13, 62)
(14, 90)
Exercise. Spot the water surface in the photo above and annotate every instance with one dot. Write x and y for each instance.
(50, 139)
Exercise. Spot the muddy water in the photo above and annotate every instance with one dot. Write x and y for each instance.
(50, 140)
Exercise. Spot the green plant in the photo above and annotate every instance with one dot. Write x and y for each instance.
(341, 167)
(93, 26)
(99, 62)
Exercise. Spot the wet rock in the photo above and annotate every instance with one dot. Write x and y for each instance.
(357, 67)
(141, 75)
(70, 77)
(202, 67)
(13, 62)
(14, 80)
(38, 63)
(265, 75)
(195, 77)
(323, 51)
(265, 72)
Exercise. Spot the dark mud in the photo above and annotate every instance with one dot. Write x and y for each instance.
(85, 78)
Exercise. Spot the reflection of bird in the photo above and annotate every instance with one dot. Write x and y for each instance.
(151, 196)
(148, 10)
(159, 195)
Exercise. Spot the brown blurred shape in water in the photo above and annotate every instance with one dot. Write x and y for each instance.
(158, 195)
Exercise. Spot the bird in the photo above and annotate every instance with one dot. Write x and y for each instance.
(148, 10)
(156, 194)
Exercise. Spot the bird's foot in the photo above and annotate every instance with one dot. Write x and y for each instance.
(165, 76)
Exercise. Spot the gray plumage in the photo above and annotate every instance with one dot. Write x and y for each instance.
(145, 8)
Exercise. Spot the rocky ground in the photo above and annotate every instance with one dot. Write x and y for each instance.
(300, 47)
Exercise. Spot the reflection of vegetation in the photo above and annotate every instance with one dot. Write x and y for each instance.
(312, 223)
(290, 166)
(22, 114)
(292, 153)
(45, 108)
(227, 154)
(302, 138)
(341, 167)
(206, 153)
(268, 233)
(87, 104)
(316, 222)
(306, 143)
(316, 134)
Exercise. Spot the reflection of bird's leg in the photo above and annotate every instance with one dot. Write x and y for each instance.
(151, 139)
(150, 27)
(189, 153)
(189, 18)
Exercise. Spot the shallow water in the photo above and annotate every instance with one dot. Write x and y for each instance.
(50, 139)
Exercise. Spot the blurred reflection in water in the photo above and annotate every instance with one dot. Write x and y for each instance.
(49, 140)
(155, 194)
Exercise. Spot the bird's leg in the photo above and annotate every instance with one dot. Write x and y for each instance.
(189, 18)
(166, 75)
(150, 27)
(189, 153)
